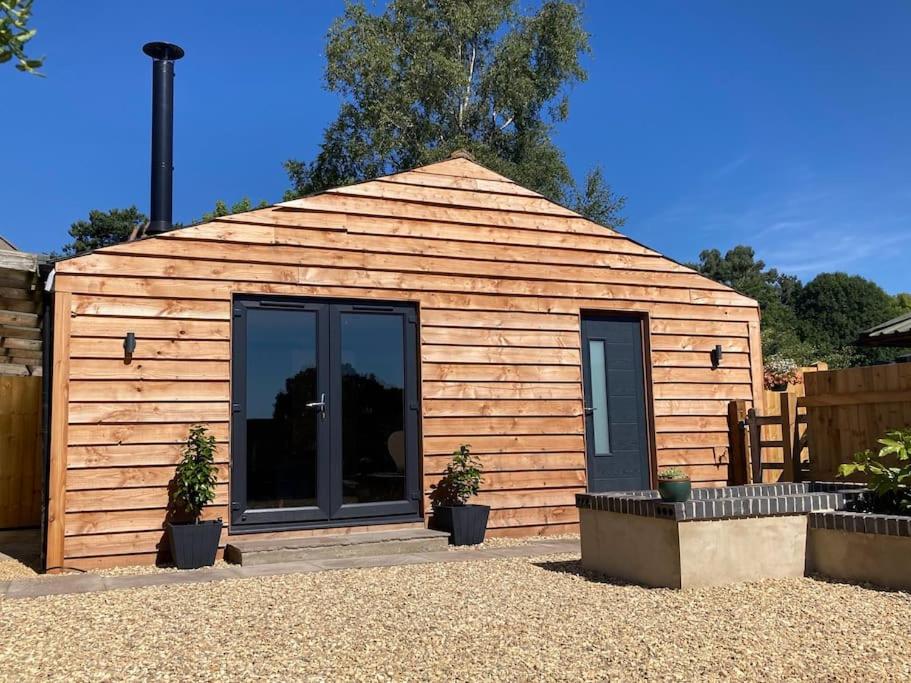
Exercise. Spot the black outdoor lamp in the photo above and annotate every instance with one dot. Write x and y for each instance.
(129, 343)
(717, 354)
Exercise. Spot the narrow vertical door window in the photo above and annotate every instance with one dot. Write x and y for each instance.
(600, 416)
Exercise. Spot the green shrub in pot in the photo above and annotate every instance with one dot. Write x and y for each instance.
(465, 523)
(194, 543)
(674, 485)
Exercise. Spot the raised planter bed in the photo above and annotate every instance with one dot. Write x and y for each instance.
(720, 536)
(861, 547)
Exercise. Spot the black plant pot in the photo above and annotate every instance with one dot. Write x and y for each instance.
(194, 545)
(466, 524)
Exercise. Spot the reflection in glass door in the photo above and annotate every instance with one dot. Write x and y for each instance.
(325, 420)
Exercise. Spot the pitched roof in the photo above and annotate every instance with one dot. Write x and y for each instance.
(895, 332)
(453, 193)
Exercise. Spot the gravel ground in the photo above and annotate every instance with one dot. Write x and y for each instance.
(500, 620)
(13, 569)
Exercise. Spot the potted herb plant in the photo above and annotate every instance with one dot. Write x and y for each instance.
(195, 543)
(674, 485)
(465, 523)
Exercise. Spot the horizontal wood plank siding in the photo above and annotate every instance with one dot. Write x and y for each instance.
(500, 277)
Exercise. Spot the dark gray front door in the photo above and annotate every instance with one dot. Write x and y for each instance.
(616, 441)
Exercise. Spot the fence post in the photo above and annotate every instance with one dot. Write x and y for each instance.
(737, 450)
(755, 430)
(790, 437)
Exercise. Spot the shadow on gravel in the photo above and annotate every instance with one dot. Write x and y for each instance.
(574, 567)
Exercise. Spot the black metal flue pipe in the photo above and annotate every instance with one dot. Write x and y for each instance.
(163, 55)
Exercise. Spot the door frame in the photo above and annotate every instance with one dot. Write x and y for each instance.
(328, 348)
(642, 317)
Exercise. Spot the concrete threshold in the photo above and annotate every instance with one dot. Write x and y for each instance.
(93, 583)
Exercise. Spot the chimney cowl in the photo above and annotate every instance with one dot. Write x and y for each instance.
(162, 169)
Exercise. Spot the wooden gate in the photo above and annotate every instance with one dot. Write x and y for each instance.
(768, 442)
(20, 452)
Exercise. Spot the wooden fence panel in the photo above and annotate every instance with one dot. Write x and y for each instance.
(848, 410)
(20, 452)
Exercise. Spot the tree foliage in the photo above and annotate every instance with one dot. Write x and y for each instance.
(816, 321)
(903, 299)
(222, 209)
(15, 33)
(423, 79)
(103, 228)
(833, 308)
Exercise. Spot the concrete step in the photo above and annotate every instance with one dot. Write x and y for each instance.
(274, 551)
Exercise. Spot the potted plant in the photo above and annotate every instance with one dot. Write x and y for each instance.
(674, 485)
(779, 372)
(195, 543)
(465, 523)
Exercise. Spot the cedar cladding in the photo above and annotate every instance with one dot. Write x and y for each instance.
(500, 276)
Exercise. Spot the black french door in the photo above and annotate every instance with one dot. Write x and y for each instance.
(324, 402)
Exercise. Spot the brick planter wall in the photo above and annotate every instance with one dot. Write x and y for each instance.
(860, 547)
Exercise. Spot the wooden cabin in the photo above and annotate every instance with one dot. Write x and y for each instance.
(341, 346)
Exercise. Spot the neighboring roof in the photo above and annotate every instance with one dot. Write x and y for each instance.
(895, 332)
(6, 244)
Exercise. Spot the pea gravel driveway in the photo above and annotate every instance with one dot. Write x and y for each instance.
(522, 619)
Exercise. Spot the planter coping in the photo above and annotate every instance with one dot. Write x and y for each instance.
(862, 523)
(729, 502)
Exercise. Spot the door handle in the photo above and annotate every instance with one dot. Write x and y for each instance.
(321, 404)
(588, 410)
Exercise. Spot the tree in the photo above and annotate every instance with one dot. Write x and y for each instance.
(775, 292)
(597, 202)
(15, 33)
(903, 299)
(423, 79)
(834, 308)
(103, 228)
(221, 209)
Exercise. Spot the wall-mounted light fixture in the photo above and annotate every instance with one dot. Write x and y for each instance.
(129, 343)
(717, 354)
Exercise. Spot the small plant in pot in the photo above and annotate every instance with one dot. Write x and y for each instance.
(194, 543)
(465, 523)
(674, 485)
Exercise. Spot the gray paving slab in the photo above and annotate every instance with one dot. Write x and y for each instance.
(86, 583)
(169, 578)
(366, 562)
(282, 569)
(56, 585)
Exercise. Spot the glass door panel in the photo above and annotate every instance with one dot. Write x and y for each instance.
(374, 411)
(281, 430)
(373, 408)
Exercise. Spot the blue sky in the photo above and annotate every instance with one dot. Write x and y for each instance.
(784, 125)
